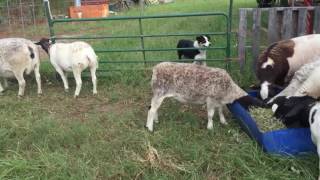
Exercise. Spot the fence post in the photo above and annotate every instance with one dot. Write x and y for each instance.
(316, 26)
(286, 30)
(229, 23)
(142, 40)
(22, 20)
(256, 35)
(33, 16)
(242, 37)
(49, 17)
(8, 12)
(302, 21)
(273, 35)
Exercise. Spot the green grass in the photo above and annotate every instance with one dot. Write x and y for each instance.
(54, 136)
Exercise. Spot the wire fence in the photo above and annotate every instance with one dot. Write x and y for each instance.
(27, 18)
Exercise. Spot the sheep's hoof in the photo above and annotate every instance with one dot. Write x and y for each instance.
(20, 96)
(224, 123)
(1, 93)
(95, 93)
(210, 127)
(66, 90)
(156, 121)
(149, 129)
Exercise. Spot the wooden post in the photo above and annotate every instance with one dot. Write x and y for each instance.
(242, 38)
(316, 25)
(302, 21)
(273, 34)
(286, 30)
(21, 16)
(256, 35)
(8, 12)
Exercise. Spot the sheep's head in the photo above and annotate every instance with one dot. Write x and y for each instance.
(45, 43)
(203, 41)
(272, 66)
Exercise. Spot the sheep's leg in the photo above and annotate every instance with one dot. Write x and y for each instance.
(221, 116)
(1, 89)
(94, 79)
(77, 76)
(63, 77)
(210, 109)
(38, 78)
(5, 83)
(156, 117)
(152, 114)
(21, 81)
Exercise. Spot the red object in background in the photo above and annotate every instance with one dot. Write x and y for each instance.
(309, 17)
(90, 9)
(94, 2)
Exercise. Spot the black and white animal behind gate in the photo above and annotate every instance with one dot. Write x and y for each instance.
(196, 54)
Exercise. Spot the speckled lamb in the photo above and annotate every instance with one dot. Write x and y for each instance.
(195, 84)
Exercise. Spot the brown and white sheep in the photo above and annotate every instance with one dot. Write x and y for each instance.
(278, 63)
(191, 83)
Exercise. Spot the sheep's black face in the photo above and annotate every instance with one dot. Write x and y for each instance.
(45, 44)
(293, 111)
(203, 41)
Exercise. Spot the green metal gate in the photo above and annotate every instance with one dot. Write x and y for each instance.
(226, 33)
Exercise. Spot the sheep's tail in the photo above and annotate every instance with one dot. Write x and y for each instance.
(93, 59)
(247, 101)
(32, 57)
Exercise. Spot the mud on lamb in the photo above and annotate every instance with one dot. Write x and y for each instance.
(191, 83)
(278, 63)
(72, 57)
(19, 56)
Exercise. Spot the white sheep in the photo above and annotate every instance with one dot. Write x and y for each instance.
(278, 63)
(19, 56)
(195, 84)
(304, 80)
(72, 57)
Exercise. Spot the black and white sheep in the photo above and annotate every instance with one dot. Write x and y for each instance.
(293, 111)
(19, 56)
(72, 57)
(301, 111)
(277, 64)
(314, 121)
(191, 83)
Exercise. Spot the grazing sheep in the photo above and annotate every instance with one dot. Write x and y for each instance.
(293, 111)
(314, 121)
(304, 80)
(195, 84)
(75, 57)
(277, 64)
(19, 56)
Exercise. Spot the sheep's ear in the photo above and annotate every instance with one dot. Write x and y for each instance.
(198, 38)
(37, 43)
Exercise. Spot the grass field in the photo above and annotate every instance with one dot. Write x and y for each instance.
(54, 136)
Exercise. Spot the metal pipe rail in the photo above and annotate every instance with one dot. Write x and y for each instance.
(227, 33)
